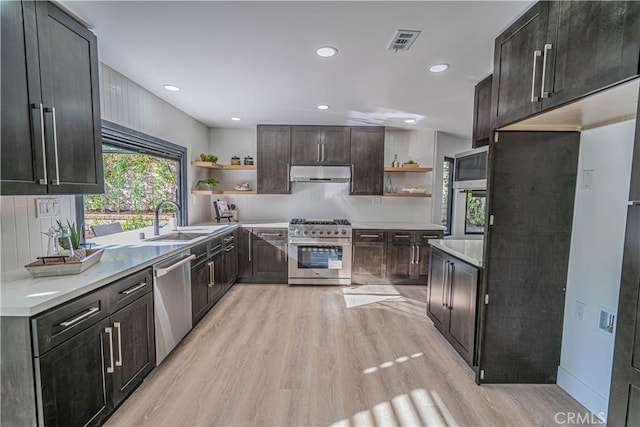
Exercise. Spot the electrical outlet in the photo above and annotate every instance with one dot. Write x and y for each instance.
(376, 201)
(580, 309)
(47, 208)
(606, 320)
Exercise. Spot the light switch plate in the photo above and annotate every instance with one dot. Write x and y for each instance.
(47, 208)
(376, 201)
(580, 309)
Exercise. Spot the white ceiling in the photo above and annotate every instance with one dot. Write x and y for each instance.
(257, 61)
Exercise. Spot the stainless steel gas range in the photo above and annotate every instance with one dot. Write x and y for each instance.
(319, 252)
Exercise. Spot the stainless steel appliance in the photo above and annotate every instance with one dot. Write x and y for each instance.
(320, 174)
(172, 302)
(470, 169)
(319, 252)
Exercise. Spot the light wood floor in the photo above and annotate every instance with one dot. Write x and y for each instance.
(274, 355)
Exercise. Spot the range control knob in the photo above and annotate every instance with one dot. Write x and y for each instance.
(335, 232)
(344, 232)
(313, 232)
(304, 232)
(321, 232)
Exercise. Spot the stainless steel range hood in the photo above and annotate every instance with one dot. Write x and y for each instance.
(320, 174)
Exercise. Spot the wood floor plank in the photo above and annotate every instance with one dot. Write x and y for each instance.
(273, 355)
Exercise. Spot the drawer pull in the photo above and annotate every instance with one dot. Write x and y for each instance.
(428, 236)
(370, 236)
(80, 318)
(404, 236)
(229, 249)
(134, 289)
(228, 239)
(216, 248)
(271, 234)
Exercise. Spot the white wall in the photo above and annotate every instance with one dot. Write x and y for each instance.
(128, 104)
(447, 146)
(21, 231)
(595, 263)
(328, 200)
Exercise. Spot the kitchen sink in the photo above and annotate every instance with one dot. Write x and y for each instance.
(177, 237)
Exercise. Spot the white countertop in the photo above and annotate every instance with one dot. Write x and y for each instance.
(397, 225)
(467, 250)
(23, 295)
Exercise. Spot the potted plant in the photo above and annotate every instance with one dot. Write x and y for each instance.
(410, 164)
(208, 184)
(207, 157)
(75, 237)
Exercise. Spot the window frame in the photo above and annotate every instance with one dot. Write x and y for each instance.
(132, 140)
(481, 193)
(449, 220)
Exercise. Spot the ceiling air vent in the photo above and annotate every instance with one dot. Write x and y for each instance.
(403, 39)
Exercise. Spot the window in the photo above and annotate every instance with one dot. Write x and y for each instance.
(447, 194)
(474, 217)
(139, 172)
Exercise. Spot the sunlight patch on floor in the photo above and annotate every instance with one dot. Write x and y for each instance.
(417, 408)
(370, 294)
(390, 363)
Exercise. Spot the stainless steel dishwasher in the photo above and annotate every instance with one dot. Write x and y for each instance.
(172, 302)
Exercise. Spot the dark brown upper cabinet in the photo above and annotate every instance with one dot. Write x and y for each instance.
(320, 145)
(560, 51)
(51, 131)
(274, 153)
(590, 45)
(367, 161)
(482, 113)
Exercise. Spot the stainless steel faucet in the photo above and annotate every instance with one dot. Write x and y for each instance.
(156, 223)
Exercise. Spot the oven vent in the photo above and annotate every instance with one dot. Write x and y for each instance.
(403, 39)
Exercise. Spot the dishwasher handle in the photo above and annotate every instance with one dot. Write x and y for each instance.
(165, 270)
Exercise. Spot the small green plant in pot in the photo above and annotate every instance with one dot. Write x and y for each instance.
(75, 237)
(207, 157)
(208, 184)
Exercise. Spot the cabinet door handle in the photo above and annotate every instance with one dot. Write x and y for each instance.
(80, 318)
(323, 151)
(212, 279)
(288, 175)
(417, 254)
(445, 282)
(45, 180)
(318, 146)
(134, 288)
(451, 270)
(110, 368)
(536, 55)
(117, 326)
(352, 177)
(250, 233)
(286, 253)
(547, 48)
(413, 254)
(370, 236)
(52, 110)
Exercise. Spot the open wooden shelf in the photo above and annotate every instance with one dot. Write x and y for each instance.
(219, 192)
(390, 169)
(406, 195)
(211, 165)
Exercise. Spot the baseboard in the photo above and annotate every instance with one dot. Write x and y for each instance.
(587, 396)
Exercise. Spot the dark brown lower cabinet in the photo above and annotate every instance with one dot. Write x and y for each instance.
(453, 300)
(369, 264)
(230, 263)
(76, 389)
(134, 346)
(262, 255)
(200, 284)
(408, 256)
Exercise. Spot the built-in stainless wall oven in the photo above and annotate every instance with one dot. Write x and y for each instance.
(470, 169)
(319, 252)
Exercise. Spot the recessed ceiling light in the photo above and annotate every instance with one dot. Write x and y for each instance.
(236, 119)
(322, 107)
(438, 68)
(172, 88)
(326, 51)
(410, 121)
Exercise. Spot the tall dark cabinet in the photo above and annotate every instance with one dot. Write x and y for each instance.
(51, 132)
(526, 255)
(274, 164)
(624, 399)
(482, 113)
(367, 161)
